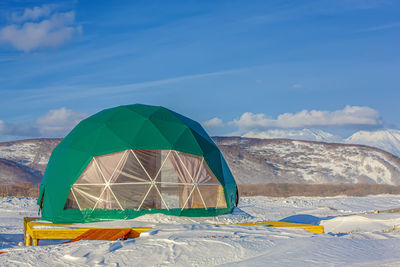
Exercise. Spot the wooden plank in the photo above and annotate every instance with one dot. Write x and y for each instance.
(58, 233)
(26, 220)
(72, 233)
(27, 239)
(134, 234)
(104, 234)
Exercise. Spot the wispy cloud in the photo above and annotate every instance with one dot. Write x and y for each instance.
(68, 93)
(381, 27)
(360, 4)
(37, 28)
(293, 10)
(297, 86)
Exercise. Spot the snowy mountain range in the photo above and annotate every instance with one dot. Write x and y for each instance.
(252, 161)
(259, 161)
(388, 140)
(25, 160)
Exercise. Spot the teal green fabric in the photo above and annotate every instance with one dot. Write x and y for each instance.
(121, 128)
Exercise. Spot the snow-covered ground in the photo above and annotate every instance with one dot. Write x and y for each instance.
(355, 236)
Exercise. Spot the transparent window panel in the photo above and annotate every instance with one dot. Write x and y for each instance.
(206, 176)
(87, 195)
(174, 195)
(130, 196)
(164, 155)
(181, 170)
(107, 201)
(109, 163)
(211, 194)
(150, 160)
(168, 173)
(128, 175)
(186, 200)
(221, 200)
(153, 200)
(71, 203)
(131, 171)
(195, 201)
(191, 163)
(91, 175)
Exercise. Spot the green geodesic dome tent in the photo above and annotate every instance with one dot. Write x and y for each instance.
(132, 160)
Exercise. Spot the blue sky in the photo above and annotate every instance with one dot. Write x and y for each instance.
(236, 66)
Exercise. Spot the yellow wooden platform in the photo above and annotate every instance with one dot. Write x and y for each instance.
(32, 235)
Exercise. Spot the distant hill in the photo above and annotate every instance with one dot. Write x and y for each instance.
(33, 153)
(12, 172)
(259, 161)
(22, 164)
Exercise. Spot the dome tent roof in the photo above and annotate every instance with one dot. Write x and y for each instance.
(131, 127)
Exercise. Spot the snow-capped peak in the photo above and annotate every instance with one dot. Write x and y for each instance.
(304, 134)
(388, 140)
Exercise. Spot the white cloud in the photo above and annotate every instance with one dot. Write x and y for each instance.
(51, 32)
(58, 122)
(213, 123)
(32, 14)
(349, 116)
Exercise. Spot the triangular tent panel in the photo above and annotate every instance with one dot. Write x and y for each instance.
(132, 160)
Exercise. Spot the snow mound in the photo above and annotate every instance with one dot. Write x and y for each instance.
(362, 223)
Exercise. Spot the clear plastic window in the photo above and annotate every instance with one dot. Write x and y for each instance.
(146, 179)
